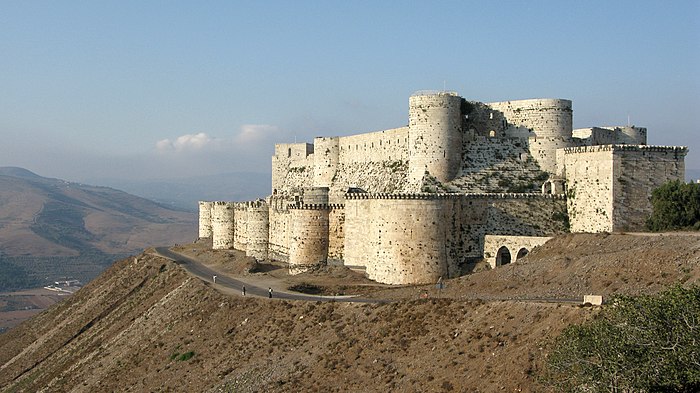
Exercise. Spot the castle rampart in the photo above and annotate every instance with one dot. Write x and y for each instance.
(549, 122)
(222, 223)
(257, 229)
(205, 230)
(609, 187)
(435, 135)
(309, 238)
(326, 160)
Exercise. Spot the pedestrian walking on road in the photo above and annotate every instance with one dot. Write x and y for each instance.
(244, 290)
(269, 293)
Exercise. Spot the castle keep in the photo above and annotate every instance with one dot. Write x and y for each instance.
(462, 181)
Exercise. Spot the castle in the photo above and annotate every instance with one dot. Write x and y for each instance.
(462, 181)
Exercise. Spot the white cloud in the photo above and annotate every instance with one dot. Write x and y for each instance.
(251, 133)
(186, 142)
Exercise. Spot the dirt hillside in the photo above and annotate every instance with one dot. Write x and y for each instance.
(147, 325)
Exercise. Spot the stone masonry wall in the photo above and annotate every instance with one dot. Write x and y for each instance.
(240, 225)
(205, 230)
(527, 215)
(280, 227)
(309, 237)
(550, 120)
(589, 178)
(379, 146)
(336, 233)
(638, 171)
(435, 136)
(516, 246)
(609, 187)
(257, 229)
(411, 238)
(492, 164)
(292, 166)
(222, 220)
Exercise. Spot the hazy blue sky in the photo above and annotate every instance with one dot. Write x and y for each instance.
(141, 89)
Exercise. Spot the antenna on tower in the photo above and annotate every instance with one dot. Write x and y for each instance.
(628, 120)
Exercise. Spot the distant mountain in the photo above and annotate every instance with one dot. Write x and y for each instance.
(184, 193)
(51, 228)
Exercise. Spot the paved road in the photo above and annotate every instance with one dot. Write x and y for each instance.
(198, 269)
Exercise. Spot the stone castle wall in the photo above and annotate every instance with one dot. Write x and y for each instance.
(309, 240)
(435, 136)
(222, 224)
(609, 187)
(638, 171)
(205, 208)
(336, 233)
(258, 229)
(496, 165)
(280, 227)
(411, 238)
(623, 135)
(549, 122)
(292, 166)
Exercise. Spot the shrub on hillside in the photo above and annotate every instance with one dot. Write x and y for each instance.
(636, 344)
(676, 206)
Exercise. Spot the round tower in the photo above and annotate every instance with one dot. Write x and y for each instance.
(549, 121)
(258, 230)
(435, 135)
(205, 219)
(222, 225)
(240, 233)
(309, 241)
(316, 196)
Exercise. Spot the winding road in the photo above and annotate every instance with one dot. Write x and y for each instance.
(196, 268)
(199, 270)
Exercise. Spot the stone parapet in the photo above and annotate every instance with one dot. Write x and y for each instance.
(640, 148)
(437, 196)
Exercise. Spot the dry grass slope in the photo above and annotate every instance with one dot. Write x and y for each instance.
(146, 325)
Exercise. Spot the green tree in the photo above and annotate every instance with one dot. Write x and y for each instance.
(636, 344)
(676, 206)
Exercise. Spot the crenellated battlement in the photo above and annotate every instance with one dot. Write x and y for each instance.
(639, 148)
(314, 206)
(441, 196)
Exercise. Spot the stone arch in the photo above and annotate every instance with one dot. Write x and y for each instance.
(503, 256)
(547, 187)
(521, 253)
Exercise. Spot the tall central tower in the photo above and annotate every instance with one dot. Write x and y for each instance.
(434, 136)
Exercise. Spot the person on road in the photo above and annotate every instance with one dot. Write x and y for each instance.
(243, 290)
(269, 292)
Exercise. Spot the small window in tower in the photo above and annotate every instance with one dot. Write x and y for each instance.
(289, 152)
(491, 116)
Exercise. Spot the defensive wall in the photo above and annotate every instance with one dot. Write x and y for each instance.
(205, 219)
(549, 122)
(222, 225)
(613, 135)
(609, 187)
(416, 203)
